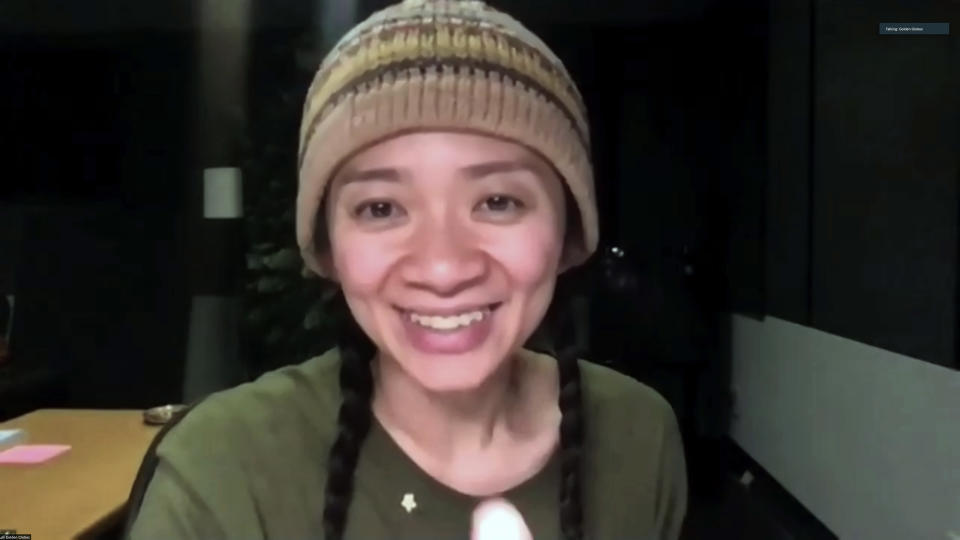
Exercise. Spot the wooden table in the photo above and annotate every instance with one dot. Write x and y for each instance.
(82, 491)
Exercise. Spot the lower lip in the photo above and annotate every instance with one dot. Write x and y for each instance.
(459, 341)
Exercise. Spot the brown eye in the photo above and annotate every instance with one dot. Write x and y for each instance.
(501, 203)
(376, 210)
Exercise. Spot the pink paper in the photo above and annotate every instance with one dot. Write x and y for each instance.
(32, 453)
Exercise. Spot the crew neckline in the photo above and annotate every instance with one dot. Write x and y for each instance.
(391, 451)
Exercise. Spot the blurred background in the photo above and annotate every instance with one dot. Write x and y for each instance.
(778, 185)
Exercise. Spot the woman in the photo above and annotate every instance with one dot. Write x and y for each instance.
(445, 184)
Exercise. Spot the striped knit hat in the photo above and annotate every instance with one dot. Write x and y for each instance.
(443, 65)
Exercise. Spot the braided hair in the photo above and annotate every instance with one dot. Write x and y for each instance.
(353, 420)
(355, 415)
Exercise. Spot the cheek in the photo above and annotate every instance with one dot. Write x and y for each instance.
(531, 256)
(361, 266)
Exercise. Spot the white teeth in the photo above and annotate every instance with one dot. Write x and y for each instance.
(449, 323)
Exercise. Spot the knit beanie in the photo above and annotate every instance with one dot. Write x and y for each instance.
(455, 65)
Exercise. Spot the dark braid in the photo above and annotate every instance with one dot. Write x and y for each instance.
(566, 352)
(356, 387)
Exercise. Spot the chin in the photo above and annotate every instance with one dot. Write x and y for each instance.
(451, 373)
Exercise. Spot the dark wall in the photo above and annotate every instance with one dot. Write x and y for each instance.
(566, 12)
(10, 236)
(886, 183)
(99, 158)
(789, 155)
(863, 204)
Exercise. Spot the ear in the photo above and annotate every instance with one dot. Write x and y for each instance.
(325, 260)
(564, 266)
(320, 266)
(568, 258)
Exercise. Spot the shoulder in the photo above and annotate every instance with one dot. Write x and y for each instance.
(609, 392)
(612, 399)
(214, 470)
(625, 415)
(634, 455)
(277, 405)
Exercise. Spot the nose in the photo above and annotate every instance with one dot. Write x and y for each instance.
(443, 260)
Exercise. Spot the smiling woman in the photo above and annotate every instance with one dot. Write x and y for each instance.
(445, 186)
(448, 256)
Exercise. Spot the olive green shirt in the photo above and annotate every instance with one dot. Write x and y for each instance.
(250, 462)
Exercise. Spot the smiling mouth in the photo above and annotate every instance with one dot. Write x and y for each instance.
(449, 322)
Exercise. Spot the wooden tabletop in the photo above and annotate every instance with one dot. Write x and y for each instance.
(82, 490)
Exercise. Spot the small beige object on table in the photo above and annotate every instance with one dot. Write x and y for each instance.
(83, 491)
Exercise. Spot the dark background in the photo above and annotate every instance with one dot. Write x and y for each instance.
(842, 216)
(91, 209)
(846, 221)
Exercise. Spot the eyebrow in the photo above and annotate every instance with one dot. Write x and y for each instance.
(471, 172)
(367, 175)
(489, 168)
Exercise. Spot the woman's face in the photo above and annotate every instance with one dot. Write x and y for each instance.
(447, 247)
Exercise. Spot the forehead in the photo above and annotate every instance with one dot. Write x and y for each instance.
(463, 154)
